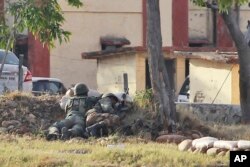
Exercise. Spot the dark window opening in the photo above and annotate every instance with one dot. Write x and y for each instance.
(186, 67)
(170, 65)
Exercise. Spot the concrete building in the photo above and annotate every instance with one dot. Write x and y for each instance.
(192, 36)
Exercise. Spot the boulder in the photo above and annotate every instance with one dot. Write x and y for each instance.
(213, 151)
(243, 144)
(222, 153)
(14, 123)
(225, 144)
(170, 138)
(204, 142)
(185, 145)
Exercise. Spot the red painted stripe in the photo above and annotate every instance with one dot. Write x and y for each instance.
(180, 23)
(38, 57)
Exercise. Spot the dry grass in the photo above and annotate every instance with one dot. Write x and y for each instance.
(30, 152)
(114, 151)
(189, 121)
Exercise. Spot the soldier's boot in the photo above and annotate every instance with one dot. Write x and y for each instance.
(53, 134)
(92, 130)
(66, 134)
(51, 137)
(96, 129)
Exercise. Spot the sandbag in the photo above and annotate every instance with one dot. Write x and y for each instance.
(243, 144)
(204, 142)
(225, 144)
(185, 145)
(170, 139)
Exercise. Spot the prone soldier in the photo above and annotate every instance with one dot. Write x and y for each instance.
(74, 123)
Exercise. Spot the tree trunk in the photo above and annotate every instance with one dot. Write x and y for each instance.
(243, 49)
(163, 94)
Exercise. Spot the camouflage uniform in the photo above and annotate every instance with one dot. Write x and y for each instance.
(74, 123)
(105, 114)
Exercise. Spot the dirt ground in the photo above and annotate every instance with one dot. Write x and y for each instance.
(28, 114)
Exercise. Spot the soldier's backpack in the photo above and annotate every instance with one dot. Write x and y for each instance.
(80, 104)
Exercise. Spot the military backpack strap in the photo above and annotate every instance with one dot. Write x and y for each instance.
(76, 104)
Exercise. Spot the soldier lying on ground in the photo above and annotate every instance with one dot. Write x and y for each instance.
(74, 123)
(106, 115)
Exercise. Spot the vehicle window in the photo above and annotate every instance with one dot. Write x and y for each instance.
(39, 86)
(185, 87)
(53, 87)
(11, 58)
(48, 86)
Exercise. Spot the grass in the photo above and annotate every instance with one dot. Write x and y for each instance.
(35, 152)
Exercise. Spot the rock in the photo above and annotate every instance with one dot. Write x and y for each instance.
(185, 145)
(3, 130)
(164, 132)
(204, 142)
(195, 136)
(222, 153)
(225, 144)
(200, 150)
(13, 112)
(191, 149)
(10, 128)
(22, 130)
(12, 104)
(243, 144)
(11, 122)
(203, 150)
(170, 139)
(213, 151)
(32, 118)
(28, 114)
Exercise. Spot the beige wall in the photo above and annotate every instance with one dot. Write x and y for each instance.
(180, 74)
(97, 18)
(87, 24)
(166, 22)
(244, 17)
(140, 71)
(235, 85)
(111, 70)
(200, 25)
(208, 77)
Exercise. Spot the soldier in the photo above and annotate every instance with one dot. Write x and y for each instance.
(74, 123)
(70, 93)
(66, 97)
(106, 114)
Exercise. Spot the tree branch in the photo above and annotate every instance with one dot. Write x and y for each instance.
(212, 5)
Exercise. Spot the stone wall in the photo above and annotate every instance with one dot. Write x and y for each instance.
(218, 113)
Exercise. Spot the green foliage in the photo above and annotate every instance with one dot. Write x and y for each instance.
(144, 98)
(223, 5)
(43, 18)
(5, 34)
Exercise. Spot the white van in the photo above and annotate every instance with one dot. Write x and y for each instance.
(9, 77)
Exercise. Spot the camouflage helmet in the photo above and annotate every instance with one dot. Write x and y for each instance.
(80, 89)
(110, 95)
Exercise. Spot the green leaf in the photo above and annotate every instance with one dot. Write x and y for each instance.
(42, 18)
